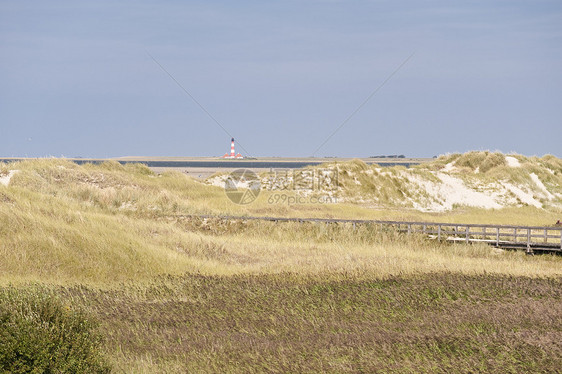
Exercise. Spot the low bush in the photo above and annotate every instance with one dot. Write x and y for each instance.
(40, 334)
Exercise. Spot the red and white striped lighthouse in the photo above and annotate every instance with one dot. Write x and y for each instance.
(232, 152)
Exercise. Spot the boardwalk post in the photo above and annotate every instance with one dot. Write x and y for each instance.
(409, 228)
(529, 250)
(439, 232)
(545, 235)
(467, 232)
(515, 234)
(497, 236)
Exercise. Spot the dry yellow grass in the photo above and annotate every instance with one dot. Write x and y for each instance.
(314, 250)
(102, 225)
(186, 294)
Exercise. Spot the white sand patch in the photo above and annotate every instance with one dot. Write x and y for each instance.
(455, 192)
(512, 162)
(217, 181)
(452, 191)
(525, 197)
(429, 195)
(224, 181)
(541, 186)
(242, 183)
(5, 180)
(450, 167)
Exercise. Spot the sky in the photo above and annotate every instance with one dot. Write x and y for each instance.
(285, 78)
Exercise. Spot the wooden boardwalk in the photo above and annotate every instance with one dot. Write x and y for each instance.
(528, 238)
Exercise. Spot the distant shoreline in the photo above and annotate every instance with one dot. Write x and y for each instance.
(224, 162)
(203, 167)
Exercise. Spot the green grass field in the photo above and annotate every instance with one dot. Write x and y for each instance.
(192, 295)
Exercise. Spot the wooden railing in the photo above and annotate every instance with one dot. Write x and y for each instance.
(543, 238)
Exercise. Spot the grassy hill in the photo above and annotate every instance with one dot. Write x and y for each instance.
(472, 180)
(475, 179)
(102, 224)
(173, 294)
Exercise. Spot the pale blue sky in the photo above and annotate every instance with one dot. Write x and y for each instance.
(280, 76)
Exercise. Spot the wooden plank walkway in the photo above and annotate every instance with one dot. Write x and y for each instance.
(529, 238)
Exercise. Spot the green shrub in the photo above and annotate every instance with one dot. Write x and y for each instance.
(40, 334)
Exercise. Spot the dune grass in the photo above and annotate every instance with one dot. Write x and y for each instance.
(106, 224)
(176, 294)
(536, 182)
(135, 191)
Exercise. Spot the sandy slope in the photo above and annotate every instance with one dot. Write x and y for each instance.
(476, 179)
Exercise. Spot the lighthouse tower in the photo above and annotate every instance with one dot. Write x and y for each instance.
(232, 152)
